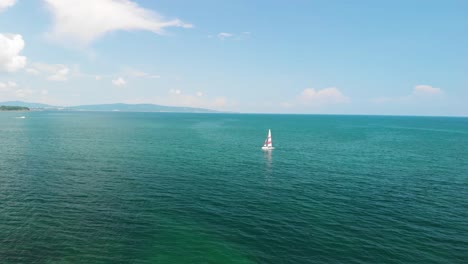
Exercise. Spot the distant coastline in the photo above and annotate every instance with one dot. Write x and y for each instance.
(118, 107)
(13, 108)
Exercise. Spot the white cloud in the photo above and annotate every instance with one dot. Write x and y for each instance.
(332, 95)
(199, 94)
(4, 4)
(32, 71)
(426, 90)
(312, 98)
(175, 91)
(119, 82)
(11, 46)
(419, 92)
(60, 75)
(54, 72)
(98, 77)
(44, 92)
(11, 91)
(90, 19)
(224, 35)
(233, 36)
(21, 93)
(7, 86)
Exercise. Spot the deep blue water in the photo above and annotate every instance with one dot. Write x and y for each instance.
(84, 187)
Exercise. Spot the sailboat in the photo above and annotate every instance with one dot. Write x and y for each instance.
(268, 145)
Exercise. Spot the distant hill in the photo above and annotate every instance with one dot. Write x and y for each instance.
(26, 104)
(111, 107)
(13, 108)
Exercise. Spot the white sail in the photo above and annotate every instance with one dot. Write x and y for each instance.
(268, 142)
(269, 139)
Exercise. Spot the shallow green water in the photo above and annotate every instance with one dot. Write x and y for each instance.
(79, 187)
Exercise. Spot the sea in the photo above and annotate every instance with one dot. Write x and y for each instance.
(115, 187)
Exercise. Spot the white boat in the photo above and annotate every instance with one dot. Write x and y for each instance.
(268, 145)
(21, 117)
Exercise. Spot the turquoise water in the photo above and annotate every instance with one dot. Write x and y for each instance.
(81, 187)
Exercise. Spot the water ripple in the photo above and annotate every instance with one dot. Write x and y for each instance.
(181, 188)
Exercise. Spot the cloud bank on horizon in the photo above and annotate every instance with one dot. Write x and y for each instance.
(107, 51)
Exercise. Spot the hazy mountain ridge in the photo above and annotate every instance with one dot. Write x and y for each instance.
(110, 107)
(27, 104)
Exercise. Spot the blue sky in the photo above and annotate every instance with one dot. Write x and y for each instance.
(336, 57)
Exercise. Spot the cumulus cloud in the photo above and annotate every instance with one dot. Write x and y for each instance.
(4, 4)
(419, 92)
(426, 90)
(11, 46)
(90, 19)
(311, 96)
(119, 82)
(175, 91)
(21, 93)
(60, 75)
(54, 72)
(6, 86)
(316, 99)
(224, 35)
(32, 71)
(10, 90)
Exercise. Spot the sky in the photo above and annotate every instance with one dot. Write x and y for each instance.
(297, 56)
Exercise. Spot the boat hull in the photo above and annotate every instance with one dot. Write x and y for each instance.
(268, 148)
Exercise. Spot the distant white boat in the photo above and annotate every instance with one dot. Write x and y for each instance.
(21, 117)
(268, 145)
